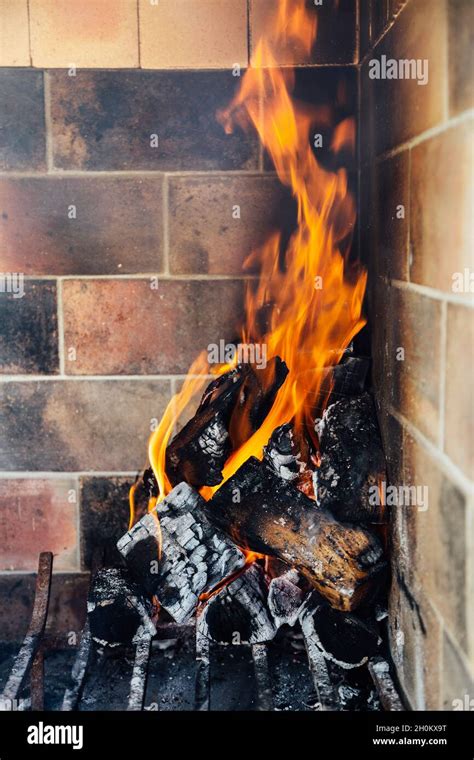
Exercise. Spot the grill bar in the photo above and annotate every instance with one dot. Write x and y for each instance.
(139, 676)
(78, 673)
(34, 635)
(262, 676)
(203, 672)
(319, 671)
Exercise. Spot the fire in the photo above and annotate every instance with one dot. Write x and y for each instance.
(311, 291)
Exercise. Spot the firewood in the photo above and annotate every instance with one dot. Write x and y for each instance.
(238, 613)
(342, 638)
(198, 452)
(352, 461)
(349, 377)
(285, 598)
(266, 514)
(116, 609)
(282, 453)
(290, 458)
(256, 397)
(177, 554)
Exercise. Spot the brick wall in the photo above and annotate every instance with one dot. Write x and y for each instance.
(416, 226)
(91, 213)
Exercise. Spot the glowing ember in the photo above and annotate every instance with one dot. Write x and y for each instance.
(310, 291)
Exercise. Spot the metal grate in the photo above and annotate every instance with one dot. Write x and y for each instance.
(30, 660)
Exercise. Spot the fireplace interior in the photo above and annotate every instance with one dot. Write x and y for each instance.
(298, 535)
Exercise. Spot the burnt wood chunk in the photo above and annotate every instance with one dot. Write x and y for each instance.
(198, 452)
(257, 394)
(238, 613)
(268, 515)
(352, 461)
(116, 609)
(285, 598)
(282, 453)
(349, 377)
(342, 638)
(177, 554)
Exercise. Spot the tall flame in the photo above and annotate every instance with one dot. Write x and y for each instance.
(312, 292)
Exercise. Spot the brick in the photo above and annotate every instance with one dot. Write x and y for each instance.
(22, 128)
(381, 297)
(87, 34)
(367, 124)
(212, 34)
(460, 46)
(67, 605)
(400, 109)
(470, 583)
(415, 633)
(104, 518)
(29, 330)
(86, 425)
(106, 120)
(416, 327)
(439, 557)
(366, 223)
(442, 201)
(204, 236)
(335, 41)
(14, 34)
(117, 229)
(392, 222)
(459, 407)
(127, 327)
(38, 515)
(458, 680)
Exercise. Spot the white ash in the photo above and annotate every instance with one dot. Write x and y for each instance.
(194, 557)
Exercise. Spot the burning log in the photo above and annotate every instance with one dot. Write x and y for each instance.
(180, 555)
(116, 609)
(352, 461)
(285, 598)
(231, 409)
(238, 613)
(283, 455)
(198, 452)
(348, 377)
(266, 514)
(341, 637)
(256, 397)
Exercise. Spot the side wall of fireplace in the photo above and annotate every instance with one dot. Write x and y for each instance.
(416, 173)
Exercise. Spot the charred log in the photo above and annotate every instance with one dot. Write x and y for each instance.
(177, 554)
(256, 397)
(284, 455)
(342, 638)
(238, 613)
(352, 461)
(285, 598)
(349, 377)
(266, 514)
(198, 452)
(116, 608)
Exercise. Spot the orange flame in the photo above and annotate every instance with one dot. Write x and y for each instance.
(313, 294)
